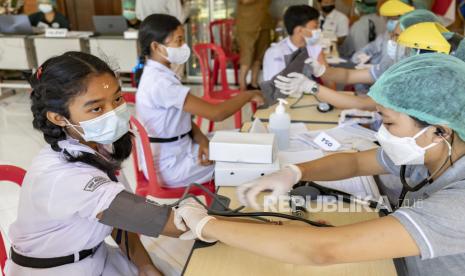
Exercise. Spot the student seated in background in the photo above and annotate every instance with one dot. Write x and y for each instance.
(301, 22)
(47, 16)
(129, 13)
(165, 106)
(332, 20)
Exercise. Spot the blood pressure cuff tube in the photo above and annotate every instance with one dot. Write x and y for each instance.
(295, 62)
(135, 214)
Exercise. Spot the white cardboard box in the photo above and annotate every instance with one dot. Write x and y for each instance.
(243, 147)
(234, 174)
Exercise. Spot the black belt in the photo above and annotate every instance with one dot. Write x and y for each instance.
(169, 140)
(49, 262)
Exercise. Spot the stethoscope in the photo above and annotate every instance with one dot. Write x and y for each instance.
(407, 188)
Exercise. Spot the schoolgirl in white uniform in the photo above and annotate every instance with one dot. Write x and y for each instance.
(165, 106)
(71, 199)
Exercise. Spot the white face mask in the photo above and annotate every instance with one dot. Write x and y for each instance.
(402, 150)
(178, 55)
(107, 128)
(312, 40)
(45, 8)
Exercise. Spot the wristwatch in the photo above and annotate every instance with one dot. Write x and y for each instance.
(315, 89)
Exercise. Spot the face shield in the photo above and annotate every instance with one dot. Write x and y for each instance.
(421, 38)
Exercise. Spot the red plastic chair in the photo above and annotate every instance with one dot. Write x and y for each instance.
(16, 175)
(203, 51)
(225, 28)
(151, 186)
(129, 97)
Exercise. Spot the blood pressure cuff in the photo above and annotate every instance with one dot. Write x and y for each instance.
(135, 214)
(295, 62)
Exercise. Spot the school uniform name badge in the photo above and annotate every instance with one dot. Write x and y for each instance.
(326, 142)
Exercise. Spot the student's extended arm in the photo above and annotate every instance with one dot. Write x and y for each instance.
(221, 111)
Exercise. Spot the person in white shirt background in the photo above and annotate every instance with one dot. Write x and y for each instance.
(301, 22)
(165, 106)
(332, 20)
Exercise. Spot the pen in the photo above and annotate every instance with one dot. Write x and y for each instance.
(358, 117)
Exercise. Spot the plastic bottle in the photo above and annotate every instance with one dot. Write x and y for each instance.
(280, 124)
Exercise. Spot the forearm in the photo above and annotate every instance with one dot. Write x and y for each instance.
(345, 100)
(300, 246)
(333, 167)
(227, 108)
(348, 76)
(197, 134)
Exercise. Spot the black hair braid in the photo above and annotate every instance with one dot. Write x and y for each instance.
(54, 85)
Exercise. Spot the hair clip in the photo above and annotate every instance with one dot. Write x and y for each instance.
(39, 72)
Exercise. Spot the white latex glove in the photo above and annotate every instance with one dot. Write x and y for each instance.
(361, 58)
(193, 215)
(294, 85)
(357, 116)
(318, 69)
(279, 182)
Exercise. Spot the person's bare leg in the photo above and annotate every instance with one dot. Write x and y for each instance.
(243, 77)
(255, 72)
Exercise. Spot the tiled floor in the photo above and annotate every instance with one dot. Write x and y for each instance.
(19, 143)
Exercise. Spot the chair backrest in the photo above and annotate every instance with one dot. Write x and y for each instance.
(16, 175)
(205, 52)
(224, 28)
(143, 138)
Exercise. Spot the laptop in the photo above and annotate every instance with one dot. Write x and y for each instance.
(110, 24)
(15, 24)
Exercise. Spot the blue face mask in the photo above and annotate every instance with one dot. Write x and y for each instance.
(107, 128)
(391, 25)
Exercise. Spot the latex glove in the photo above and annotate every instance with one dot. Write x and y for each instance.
(193, 215)
(279, 182)
(294, 85)
(318, 69)
(356, 116)
(361, 58)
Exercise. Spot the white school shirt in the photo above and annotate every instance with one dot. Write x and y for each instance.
(336, 22)
(160, 101)
(274, 62)
(58, 205)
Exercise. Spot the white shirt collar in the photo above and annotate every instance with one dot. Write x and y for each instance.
(159, 66)
(290, 44)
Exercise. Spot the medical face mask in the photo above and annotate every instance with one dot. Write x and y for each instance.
(312, 40)
(129, 15)
(45, 8)
(178, 55)
(391, 25)
(328, 9)
(107, 128)
(402, 150)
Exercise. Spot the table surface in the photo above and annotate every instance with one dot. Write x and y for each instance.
(306, 112)
(221, 259)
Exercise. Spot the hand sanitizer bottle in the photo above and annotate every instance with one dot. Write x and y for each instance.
(280, 124)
